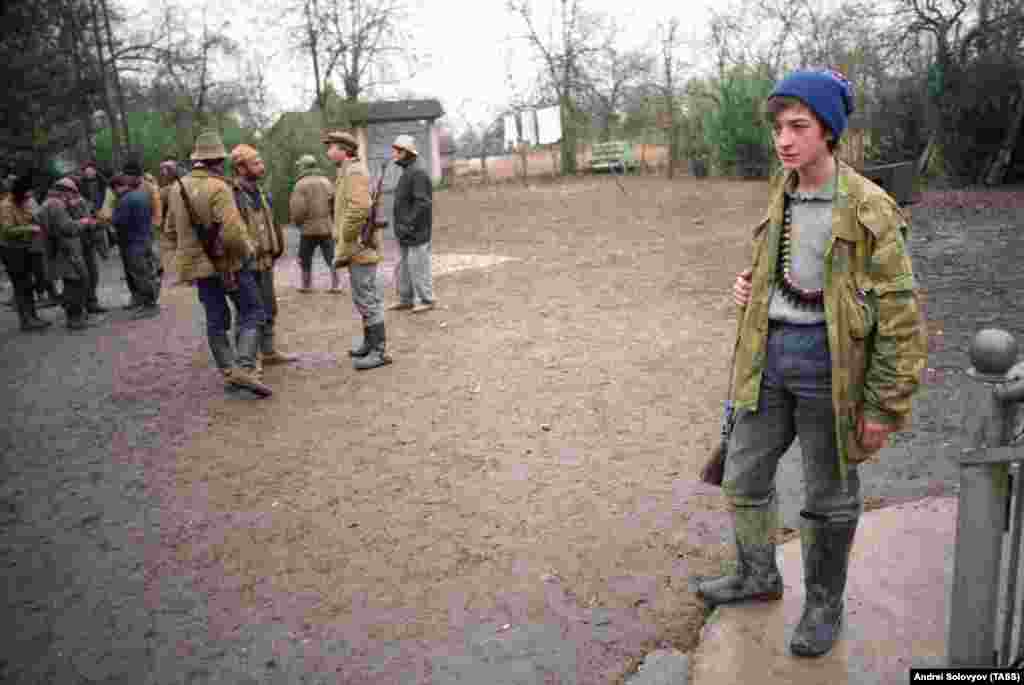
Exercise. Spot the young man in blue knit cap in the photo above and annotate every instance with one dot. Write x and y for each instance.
(830, 347)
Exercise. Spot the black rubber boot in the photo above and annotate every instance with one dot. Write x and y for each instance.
(757, 575)
(377, 355)
(363, 349)
(826, 548)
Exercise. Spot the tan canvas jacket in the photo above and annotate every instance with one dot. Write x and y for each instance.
(310, 204)
(875, 330)
(212, 200)
(351, 210)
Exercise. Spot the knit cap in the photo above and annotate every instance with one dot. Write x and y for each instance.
(826, 92)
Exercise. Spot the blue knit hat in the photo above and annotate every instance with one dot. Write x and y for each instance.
(826, 92)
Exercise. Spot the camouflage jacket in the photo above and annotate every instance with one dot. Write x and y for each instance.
(264, 232)
(67, 259)
(351, 210)
(212, 201)
(875, 330)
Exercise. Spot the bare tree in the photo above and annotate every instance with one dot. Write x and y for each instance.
(616, 72)
(365, 43)
(667, 83)
(196, 96)
(576, 39)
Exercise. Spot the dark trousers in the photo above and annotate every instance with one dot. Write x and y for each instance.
(246, 299)
(74, 297)
(265, 280)
(40, 277)
(795, 402)
(18, 263)
(139, 273)
(89, 249)
(308, 246)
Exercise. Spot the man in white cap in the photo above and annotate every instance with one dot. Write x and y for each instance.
(310, 210)
(413, 222)
(356, 248)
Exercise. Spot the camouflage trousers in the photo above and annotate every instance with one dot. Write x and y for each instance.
(365, 293)
(795, 402)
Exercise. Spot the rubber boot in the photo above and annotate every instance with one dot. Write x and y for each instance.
(825, 546)
(757, 575)
(335, 282)
(307, 282)
(269, 354)
(27, 317)
(363, 349)
(377, 356)
(244, 374)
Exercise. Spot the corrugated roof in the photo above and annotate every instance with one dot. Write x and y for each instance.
(403, 110)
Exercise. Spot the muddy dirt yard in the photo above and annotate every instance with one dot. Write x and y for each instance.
(516, 493)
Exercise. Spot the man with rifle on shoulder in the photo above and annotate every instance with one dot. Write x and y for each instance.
(204, 230)
(359, 240)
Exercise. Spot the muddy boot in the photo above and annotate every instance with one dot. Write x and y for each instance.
(825, 546)
(244, 375)
(757, 576)
(363, 349)
(335, 283)
(271, 356)
(377, 355)
(307, 282)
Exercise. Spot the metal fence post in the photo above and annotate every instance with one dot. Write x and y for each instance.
(981, 515)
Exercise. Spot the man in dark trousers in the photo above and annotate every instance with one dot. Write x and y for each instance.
(64, 238)
(133, 220)
(830, 348)
(413, 226)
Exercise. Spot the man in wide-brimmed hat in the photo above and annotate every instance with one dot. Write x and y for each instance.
(310, 210)
(413, 226)
(361, 256)
(219, 269)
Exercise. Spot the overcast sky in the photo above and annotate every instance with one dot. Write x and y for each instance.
(469, 46)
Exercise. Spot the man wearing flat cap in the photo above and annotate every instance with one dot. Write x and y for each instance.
(310, 210)
(361, 256)
(220, 270)
(254, 204)
(829, 349)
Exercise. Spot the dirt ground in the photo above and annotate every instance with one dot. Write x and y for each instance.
(530, 459)
(537, 435)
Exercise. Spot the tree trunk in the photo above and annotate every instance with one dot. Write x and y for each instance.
(108, 105)
(997, 172)
(568, 146)
(117, 78)
(74, 44)
(926, 156)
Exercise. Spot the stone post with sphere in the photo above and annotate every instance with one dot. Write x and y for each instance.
(992, 396)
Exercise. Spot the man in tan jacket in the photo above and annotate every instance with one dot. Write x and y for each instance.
(266, 235)
(310, 209)
(219, 271)
(356, 250)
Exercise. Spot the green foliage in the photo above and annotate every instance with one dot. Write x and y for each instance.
(154, 140)
(735, 129)
(293, 135)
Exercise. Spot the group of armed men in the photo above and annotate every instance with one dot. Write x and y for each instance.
(221, 236)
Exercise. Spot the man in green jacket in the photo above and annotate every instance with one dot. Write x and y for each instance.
(830, 347)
